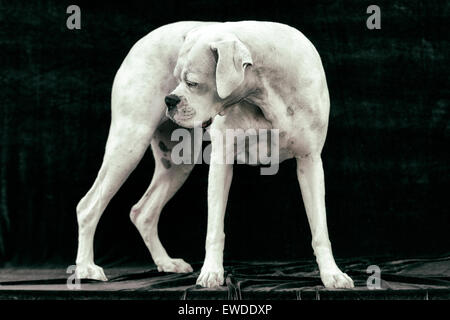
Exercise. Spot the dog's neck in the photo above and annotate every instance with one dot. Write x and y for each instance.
(256, 92)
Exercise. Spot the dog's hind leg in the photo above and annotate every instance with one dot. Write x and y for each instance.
(167, 179)
(137, 109)
(311, 178)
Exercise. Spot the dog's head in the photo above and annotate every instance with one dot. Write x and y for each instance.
(209, 70)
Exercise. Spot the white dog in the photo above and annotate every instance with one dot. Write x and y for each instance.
(231, 75)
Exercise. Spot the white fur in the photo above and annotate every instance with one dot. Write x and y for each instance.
(278, 82)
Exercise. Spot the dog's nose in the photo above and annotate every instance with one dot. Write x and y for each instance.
(171, 101)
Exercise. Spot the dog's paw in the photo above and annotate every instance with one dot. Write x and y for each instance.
(90, 271)
(210, 278)
(336, 279)
(174, 265)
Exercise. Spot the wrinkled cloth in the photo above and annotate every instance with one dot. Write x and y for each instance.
(400, 279)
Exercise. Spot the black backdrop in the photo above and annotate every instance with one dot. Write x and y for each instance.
(386, 163)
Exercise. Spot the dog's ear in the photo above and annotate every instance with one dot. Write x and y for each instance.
(232, 59)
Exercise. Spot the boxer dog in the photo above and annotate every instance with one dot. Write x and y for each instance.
(243, 75)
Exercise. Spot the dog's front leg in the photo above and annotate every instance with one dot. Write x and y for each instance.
(219, 181)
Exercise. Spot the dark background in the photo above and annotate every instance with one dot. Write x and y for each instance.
(386, 163)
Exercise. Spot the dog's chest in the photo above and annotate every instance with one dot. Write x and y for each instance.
(254, 140)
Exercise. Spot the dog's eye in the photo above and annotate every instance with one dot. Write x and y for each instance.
(191, 84)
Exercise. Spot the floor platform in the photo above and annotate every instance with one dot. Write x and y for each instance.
(409, 279)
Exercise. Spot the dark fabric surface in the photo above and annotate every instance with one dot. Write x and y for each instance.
(401, 279)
